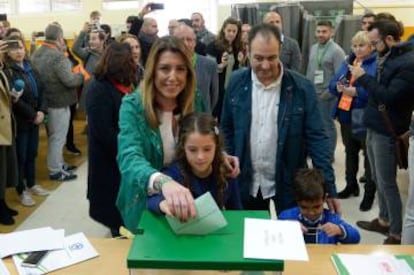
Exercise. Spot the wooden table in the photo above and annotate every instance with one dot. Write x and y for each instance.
(113, 254)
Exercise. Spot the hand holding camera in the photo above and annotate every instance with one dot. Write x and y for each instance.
(225, 59)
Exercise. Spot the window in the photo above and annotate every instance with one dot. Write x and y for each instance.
(172, 10)
(5, 7)
(38, 6)
(120, 4)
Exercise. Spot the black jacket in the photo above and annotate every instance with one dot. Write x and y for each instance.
(394, 89)
(29, 103)
(103, 101)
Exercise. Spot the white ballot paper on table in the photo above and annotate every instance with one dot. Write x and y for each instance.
(374, 264)
(45, 238)
(273, 240)
(209, 218)
(77, 249)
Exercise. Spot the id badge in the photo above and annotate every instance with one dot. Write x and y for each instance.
(318, 77)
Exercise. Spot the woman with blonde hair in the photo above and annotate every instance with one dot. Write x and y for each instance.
(352, 99)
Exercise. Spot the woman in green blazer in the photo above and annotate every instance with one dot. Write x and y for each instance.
(148, 122)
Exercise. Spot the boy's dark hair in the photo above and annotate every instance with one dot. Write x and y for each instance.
(387, 27)
(308, 185)
(326, 23)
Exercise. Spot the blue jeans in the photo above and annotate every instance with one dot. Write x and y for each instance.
(326, 105)
(381, 154)
(408, 229)
(27, 142)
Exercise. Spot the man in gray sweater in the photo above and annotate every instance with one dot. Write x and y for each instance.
(60, 83)
(325, 58)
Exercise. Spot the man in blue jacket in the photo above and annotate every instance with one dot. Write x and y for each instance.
(271, 122)
(392, 91)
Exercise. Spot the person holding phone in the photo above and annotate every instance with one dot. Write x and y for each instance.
(146, 29)
(351, 98)
(225, 50)
(29, 111)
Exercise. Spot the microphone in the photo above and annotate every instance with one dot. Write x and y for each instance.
(17, 90)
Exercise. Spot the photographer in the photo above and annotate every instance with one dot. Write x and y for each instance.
(90, 54)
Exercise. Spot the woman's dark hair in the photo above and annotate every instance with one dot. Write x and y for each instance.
(204, 124)
(116, 63)
(131, 18)
(107, 29)
(308, 185)
(221, 41)
(7, 58)
(13, 30)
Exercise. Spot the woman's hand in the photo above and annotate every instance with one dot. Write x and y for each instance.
(39, 118)
(232, 164)
(349, 91)
(224, 60)
(179, 200)
(340, 87)
(164, 208)
(356, 71)
(240, 57)
(86, 27)
(3, 47)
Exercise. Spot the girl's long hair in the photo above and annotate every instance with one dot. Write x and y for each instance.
(221, 41)
(204, 124)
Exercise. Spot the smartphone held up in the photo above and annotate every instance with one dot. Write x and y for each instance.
(156, 6)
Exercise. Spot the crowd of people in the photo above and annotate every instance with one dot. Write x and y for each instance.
(170, 118)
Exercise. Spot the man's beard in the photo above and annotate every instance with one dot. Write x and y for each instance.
(385, 51)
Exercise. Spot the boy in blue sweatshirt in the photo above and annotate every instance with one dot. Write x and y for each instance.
(318, 224)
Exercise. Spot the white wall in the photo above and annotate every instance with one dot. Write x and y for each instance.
(73, 21)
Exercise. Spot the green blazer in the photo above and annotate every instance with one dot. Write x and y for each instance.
(140, 154)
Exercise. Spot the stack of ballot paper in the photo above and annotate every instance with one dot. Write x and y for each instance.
(273, 240)
(374, 264)
(209, 218)
(45, 238)
(64, 251)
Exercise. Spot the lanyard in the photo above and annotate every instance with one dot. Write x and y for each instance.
(320, 55)
(49, 45)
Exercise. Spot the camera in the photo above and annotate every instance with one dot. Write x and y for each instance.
(94, 27)
(12, 44)
(343, 80)
(40, 34)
